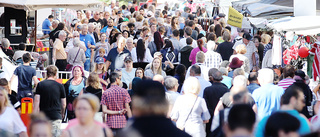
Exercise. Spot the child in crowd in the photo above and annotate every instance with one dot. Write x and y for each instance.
(101, 70)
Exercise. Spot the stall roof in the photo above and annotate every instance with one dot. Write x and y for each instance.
(261, 9)
(40, 4)
(304, 25)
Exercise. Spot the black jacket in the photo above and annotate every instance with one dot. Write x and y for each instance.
(184, 58)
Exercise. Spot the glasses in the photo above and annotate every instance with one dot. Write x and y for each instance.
(76, 36)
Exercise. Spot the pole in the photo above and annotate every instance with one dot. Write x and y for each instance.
(35, 30)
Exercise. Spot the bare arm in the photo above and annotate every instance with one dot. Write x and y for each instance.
(110, 112)
(23, 134)
(50, 27)
(205, 121)
(107, 64)
(128, 110)
(54, 55)
(36, 103)
(35, 80)
(12, 78)
(218, 108)
(253, 59)
(63, 106)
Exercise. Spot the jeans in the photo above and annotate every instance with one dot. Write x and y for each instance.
(24, 93)
(87, 64)
(115, 131)
(56, 125)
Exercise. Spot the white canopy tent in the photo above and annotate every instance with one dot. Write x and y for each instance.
(304, 25)
(40, 4)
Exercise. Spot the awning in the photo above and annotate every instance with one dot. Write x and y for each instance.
(40, 4)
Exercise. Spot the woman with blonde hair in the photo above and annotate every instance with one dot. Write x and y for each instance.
(265, 40)
(94, 87)
(156, 68)
(86, 107)
(10, 120)
(101, 70)
(241, 50)
(190, 111)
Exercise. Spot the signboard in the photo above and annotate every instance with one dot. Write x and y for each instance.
(234, 18)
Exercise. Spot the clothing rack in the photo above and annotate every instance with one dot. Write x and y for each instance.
(205, 22)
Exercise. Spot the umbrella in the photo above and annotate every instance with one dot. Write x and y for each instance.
(40, 4)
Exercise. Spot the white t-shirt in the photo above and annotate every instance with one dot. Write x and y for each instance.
(127, 77)
(11, 121)
(183, 43)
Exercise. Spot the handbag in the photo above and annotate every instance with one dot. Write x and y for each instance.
(184, 124)
(69, 66)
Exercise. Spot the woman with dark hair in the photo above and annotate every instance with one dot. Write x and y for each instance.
(55, 33)
(126, 34)
(114, 39)
(140, 73)
(141, 53)
(174, 25)
(180, 75)
(156, 44)
(113, 32)
(194, 52)
(169, 52)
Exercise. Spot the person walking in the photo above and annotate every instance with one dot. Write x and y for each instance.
(115, 103)
(50, 98)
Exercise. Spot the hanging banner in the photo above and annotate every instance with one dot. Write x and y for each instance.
(234, 18)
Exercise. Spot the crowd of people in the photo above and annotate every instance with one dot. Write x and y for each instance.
(157, 73)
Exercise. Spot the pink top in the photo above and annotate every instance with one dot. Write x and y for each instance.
(75, 121)
(194, 52)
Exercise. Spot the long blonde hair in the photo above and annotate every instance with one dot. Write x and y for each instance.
(7, 102)
(104, 69)
(94, 81)
(160, 66)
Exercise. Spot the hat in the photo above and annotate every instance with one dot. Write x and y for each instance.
(221, 15)
(128, 58)
(125, 19)
(247, 36)
(149, 13)
(157, 54)
(235, 63)
(216, 17)
(99, 60)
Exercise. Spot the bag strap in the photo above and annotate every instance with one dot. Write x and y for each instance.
(190, 112)
(76, 55)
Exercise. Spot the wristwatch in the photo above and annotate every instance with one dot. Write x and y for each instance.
(119, 112)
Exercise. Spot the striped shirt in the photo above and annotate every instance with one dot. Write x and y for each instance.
(115, 98)
(285, 83)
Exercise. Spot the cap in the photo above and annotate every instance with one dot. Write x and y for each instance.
(157, 54)
(216, 17)
(99, 60)
(221, 15)
(125, 19)
(128, 58)
(247, 36)
(149, 13)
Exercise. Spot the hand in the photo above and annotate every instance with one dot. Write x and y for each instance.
(123, 111)
(166, 62)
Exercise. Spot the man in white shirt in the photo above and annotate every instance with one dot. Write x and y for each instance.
(251, 48)
(187, 34)
(171, 85)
